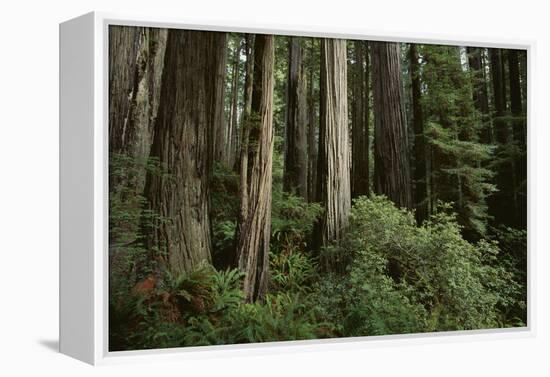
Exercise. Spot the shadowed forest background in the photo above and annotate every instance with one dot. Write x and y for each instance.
(268, 188)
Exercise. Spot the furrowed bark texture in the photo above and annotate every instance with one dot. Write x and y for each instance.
(334, 149)
(136, 59)
(185, 125)
(295, 169)
(360, 121)
(420, 187)
(255, 227)
(391, 157)
(219, 130)
(124, 50)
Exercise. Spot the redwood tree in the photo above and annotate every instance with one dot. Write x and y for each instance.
(296, 158)
(187, 120)
(334, 149)
(420, 187)
(360, 121)
(519, 133)
(136, 58)
(479, 93)
(231, 134)
(391, 155)
(312, 125)
(254, 226)
(502, 204)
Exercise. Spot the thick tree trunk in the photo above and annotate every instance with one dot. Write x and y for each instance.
(312, 128)
(255, 224)
(360, 122)
(295, 169)
(136, 58)
(125, 45)
(391, 157)
(334, 149)
(420, 187)
(188, 116)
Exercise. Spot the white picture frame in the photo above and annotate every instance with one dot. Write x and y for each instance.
(84, 191)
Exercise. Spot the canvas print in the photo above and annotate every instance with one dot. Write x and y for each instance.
(272, 188)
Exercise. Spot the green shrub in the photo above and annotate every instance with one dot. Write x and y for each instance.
(407, 278)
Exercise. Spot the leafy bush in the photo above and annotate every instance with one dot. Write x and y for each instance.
(406, 278)
(513, 258)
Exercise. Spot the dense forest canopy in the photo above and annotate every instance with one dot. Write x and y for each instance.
(267, 188)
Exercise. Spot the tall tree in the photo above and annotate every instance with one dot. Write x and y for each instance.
(187, 118)
(457, 172)
(312, 125)
(519, 136)
(245, 127)
(255, 221)
(333, 175)
(479, 92)
(502, 203)
(295, 168)
(217, 148)
(124, 48)
(231, 135)
(391, 155)
(136, 58)
(360, 121)
(420, 180)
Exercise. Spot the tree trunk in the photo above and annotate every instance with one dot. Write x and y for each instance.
(255, 225)
(519, 136)
(502, 202)
(479, 93)
(136, 58)
(218, 133)
(245, 131)
(334, 150)
(391, 157)
(233, 116)
(360, 118)
(125, 44)
(295, 169)
(188, 116)
(420, 187)
(312, 128)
